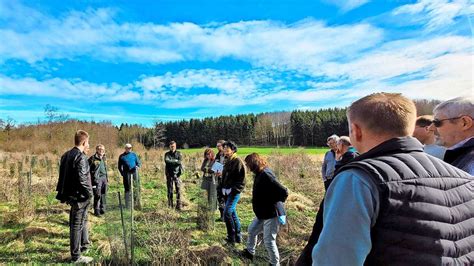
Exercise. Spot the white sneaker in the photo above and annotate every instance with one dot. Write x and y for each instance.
(83, 259)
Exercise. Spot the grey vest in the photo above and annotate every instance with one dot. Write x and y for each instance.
(426, 212)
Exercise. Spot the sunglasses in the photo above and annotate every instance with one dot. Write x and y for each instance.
(439, 122)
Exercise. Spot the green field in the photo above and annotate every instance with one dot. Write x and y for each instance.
(267, 150)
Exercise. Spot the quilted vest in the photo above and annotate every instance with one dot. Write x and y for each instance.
(426, 214)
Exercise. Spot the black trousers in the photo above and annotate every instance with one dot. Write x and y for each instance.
(78, 234)
(220, 197)
(100, 200)
(176, 182)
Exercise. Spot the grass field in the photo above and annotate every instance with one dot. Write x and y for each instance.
(242, 151)
(33, 227)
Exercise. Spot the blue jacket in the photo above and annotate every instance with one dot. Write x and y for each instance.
(128, 162)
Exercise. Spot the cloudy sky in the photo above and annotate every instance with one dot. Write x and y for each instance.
(142, 61)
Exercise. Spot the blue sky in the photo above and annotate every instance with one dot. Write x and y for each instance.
(143, 61)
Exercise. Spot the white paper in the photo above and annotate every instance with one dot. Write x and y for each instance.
(217, 167)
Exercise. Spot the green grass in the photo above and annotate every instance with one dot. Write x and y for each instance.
(243, 151)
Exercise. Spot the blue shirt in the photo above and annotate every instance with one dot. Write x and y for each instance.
(350, 211)
(329, 165)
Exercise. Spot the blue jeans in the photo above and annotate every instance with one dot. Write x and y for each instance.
(269, 228)
(231, 219)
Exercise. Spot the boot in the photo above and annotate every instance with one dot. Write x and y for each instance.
(238, 238)
(221, 216)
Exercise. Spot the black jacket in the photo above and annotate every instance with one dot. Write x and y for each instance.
(346, 157)
(74, 184)
(173, 163)
(94, 164)
(266, 192)
(233, 175)
(461, 157)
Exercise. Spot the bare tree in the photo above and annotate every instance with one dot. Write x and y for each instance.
(53, 115)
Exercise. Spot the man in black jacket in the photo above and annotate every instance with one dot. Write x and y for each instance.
(98, 166)
(75, 188)
(173, 171)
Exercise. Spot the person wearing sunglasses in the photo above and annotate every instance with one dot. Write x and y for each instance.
(426, 135)
(454, 129)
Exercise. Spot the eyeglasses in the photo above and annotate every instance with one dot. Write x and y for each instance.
(439, 122)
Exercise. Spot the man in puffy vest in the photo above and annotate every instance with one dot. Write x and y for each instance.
(394, 204)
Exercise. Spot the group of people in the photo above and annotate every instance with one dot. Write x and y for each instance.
(82, 179)
(399, 188)
(407, 197)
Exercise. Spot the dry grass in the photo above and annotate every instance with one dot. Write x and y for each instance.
(163, 236)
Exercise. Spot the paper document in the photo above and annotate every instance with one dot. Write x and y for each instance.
(217, 167)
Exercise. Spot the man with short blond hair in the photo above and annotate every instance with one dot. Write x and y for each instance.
(74, 188)
(394, 204)
(454, 123)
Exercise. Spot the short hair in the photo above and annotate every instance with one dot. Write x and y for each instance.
(333, 137)
(100, 146)
(424, 120)
(456, 107)
(172, 142)
(231, 145)
(80, 137)
(384, 113)
(221, 141)
(211, 152)
(255, 162)
(345, 140)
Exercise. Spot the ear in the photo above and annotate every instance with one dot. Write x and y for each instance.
(356, 132)
(466, 122)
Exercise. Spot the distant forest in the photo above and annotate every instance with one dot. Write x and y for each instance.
(296, 128)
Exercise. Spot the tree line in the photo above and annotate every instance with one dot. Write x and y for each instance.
(296, 128)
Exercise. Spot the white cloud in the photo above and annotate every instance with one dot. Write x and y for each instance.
(95, 34)
(436, 13)
(66, 89)
(347, 5)
(232, 82)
